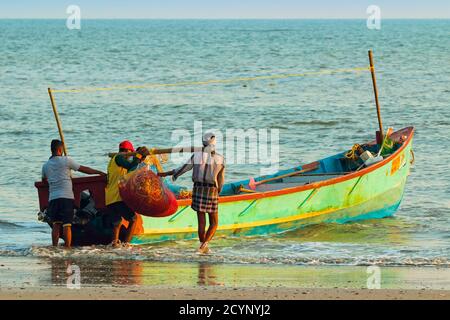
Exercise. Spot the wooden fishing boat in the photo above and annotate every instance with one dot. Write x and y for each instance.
(325, 193)
(328, 190)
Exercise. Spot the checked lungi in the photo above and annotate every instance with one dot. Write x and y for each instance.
(205, 198)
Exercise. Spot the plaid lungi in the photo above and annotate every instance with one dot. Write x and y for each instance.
(205, 198)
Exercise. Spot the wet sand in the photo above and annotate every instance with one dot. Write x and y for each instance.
(45, 278)
(209, 293)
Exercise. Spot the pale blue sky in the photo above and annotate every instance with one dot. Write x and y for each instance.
(213, 9)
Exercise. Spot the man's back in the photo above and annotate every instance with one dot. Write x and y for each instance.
(207, 166)
(57, 171)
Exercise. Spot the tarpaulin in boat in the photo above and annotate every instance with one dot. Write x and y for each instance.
(145, 193)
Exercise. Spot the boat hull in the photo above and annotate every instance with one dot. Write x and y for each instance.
(373, 192)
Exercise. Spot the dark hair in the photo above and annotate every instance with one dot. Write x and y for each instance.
(55, 145)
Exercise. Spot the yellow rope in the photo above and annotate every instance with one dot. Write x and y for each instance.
(193, 83)
(353, 153)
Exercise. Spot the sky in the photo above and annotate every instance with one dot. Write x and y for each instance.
(225, 9)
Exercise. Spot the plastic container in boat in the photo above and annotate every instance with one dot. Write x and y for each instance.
(366, 155)
(373, 160)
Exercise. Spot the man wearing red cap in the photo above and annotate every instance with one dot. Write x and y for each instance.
(119, 166)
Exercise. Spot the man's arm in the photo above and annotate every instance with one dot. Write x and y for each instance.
(123, 162)
(44, 177)
(88, 170)
(178, 172)
(221, 179)
(77, 167)
(183, 169)
(165, 174)
(141, 154)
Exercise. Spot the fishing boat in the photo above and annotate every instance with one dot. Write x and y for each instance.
(336, 189)
(325, 193)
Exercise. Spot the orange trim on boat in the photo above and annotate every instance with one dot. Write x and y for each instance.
(259, 195)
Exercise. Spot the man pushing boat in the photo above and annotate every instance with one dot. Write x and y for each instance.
(208, 177)
(57, 171)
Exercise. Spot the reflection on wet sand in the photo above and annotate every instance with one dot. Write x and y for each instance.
(207, 275)
(125, 272)
(45, 272)
(113, 272)
(160, 274)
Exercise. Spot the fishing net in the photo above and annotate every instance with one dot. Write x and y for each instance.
(145, 193)
(184, 194)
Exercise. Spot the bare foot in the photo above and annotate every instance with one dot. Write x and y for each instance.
(207, 250)
(115, 243)
(204, 248)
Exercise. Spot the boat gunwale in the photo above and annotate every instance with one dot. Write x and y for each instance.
(315, 185)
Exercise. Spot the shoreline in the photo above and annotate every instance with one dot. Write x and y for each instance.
(51, 278)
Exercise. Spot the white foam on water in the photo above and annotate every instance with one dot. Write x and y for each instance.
(300, 254)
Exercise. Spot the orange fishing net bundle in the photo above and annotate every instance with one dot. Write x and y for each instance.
(185, 194)
(145, 193)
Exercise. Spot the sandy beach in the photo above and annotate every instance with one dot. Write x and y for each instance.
(45, 278)
(208, 293)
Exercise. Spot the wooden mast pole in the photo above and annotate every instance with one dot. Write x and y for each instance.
(58, 121)
(375, 91)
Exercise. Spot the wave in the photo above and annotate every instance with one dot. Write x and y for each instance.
(17, 133)
(7, 224)
(221, 256)
(316, 122)
(264, 30)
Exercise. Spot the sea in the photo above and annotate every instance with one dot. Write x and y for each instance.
(314, 116)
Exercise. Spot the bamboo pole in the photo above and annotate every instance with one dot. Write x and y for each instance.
(160, 151)
(58, 121)
(375, 91)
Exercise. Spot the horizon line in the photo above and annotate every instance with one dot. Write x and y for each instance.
(135, 18)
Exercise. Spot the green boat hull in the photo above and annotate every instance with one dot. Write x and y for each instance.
(373, 192)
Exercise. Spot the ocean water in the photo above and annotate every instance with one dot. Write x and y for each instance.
(316, 116)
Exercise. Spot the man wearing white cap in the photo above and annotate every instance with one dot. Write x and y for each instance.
(208, 177)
